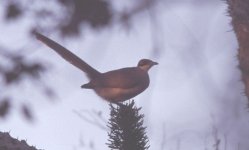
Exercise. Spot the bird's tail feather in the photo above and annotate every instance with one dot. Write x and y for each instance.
(67, 55)
(86, 86)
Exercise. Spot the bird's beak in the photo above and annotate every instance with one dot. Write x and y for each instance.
(155, 63)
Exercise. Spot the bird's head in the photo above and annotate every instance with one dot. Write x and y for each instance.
(146, 64)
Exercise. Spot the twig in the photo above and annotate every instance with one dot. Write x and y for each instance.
(93, 118)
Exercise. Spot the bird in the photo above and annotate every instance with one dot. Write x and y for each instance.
(113, 86)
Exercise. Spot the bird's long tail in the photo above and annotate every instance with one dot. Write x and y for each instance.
(69, 56)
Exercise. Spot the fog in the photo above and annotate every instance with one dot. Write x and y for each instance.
(195, 97)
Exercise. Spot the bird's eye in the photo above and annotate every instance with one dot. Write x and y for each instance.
(142, 63)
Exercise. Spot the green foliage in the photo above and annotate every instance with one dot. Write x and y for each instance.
(126, 128)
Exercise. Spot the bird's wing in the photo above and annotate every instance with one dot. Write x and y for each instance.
(69, 56)
(123, 78)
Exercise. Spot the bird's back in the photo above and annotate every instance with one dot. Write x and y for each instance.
(122, 78)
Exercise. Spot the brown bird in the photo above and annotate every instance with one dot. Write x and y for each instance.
(114, 86)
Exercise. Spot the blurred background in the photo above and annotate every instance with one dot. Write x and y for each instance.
(195, 99)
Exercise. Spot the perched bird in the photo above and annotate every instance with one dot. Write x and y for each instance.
(114, 86)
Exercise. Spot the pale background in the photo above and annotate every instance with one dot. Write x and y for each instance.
(195, 88)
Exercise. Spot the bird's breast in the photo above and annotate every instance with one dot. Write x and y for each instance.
(119, 94)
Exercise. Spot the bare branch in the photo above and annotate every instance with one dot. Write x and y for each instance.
(92, 117)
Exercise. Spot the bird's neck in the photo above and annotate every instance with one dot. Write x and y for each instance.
(144, 68)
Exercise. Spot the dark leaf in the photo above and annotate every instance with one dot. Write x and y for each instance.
(11, 76)
(34, 69)
(13, 11)
(27, 112)
(96, 13)
(15, 74)
(4, 107)
(49, 92)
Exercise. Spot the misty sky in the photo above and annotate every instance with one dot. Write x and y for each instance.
(195, 87)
